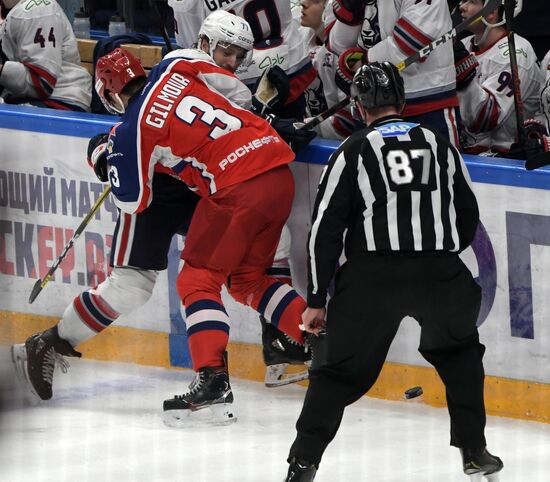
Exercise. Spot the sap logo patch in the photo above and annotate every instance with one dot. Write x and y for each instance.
(395, 129)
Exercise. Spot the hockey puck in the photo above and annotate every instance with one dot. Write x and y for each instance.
(413, 392)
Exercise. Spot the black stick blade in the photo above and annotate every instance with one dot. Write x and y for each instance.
(538, 160)
(36, 289)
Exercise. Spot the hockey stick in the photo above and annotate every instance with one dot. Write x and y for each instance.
(419, 55)
(39, 285)
(509, 6)
(538, 160)
(162, 26)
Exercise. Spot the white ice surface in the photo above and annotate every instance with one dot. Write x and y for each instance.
(104, 424)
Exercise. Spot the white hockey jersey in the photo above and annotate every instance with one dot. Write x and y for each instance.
(487, 103)
(394, 30)
(42, 57)
(277, 40)
(545, 90)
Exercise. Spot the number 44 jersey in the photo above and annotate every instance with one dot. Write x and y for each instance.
(41, 57)
(182, 124)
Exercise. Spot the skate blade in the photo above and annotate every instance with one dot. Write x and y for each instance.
(479, 477)
(19, 359)
(218, 414)
(276, 376)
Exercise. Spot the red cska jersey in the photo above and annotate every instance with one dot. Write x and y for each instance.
(180, 122)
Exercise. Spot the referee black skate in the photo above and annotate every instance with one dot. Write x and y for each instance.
(403, 196)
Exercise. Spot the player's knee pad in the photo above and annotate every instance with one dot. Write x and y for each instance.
(283, 248)
(126, 289)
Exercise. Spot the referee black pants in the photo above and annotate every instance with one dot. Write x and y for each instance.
(373, 293)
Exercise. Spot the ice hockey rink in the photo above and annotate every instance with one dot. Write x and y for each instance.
(104, 424)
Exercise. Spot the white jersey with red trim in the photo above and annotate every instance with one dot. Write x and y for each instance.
(181, 122)
(545, 90)
(277, 40)
(43, 60)
(487, 103)
(394, 30)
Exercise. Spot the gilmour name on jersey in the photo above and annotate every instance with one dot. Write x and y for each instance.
(165, 100)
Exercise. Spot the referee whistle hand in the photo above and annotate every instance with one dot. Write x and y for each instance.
(313, 320)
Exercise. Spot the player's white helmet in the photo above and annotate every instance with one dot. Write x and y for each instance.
(224, 28)
(517, 10)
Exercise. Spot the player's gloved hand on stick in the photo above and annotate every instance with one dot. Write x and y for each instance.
(534, 129)
(348, 63)
(97, 156)
(532, 148)
(290, 131)
(272, 91)
(465, 65)
(350, 12)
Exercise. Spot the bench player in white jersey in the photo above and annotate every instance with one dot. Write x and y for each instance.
(537, 128)
(485, 85)
(381, 30)
(545, 90)
(277, 43)
(136, 257)
(40, 63)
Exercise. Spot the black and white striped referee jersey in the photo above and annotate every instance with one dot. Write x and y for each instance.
(394, 186)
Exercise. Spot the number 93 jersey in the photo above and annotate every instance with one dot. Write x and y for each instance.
(487, 105)
(181, 124)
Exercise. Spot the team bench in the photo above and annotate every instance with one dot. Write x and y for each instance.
(149, 55)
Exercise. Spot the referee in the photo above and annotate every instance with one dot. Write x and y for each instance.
(401, 197)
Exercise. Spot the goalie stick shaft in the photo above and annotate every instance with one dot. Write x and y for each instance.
(39, 285)
(419, 55)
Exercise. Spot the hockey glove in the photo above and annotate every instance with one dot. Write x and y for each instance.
(350, 12)
(465, 65)
(533, 148)
(97, 156)
(272, 91)
(290, 131)
(535, 129)
(348, 62)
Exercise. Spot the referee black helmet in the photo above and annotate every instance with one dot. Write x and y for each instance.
(378, 84)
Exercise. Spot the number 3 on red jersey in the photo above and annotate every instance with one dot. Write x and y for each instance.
(191, 109)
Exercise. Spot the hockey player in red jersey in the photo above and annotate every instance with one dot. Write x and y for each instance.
(238, 164)
(136, 257)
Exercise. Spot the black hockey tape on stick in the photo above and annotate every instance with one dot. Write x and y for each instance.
(421, 54)
(539, 160)
(326, 114)
(509, 6)
(39, 285)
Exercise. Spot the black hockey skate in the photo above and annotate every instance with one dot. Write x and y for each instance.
(300, 471)
(480, 463)
(35, 360)
(209, 390)
(279, 351)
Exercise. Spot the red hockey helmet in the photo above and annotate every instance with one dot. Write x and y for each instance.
(113, 72)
